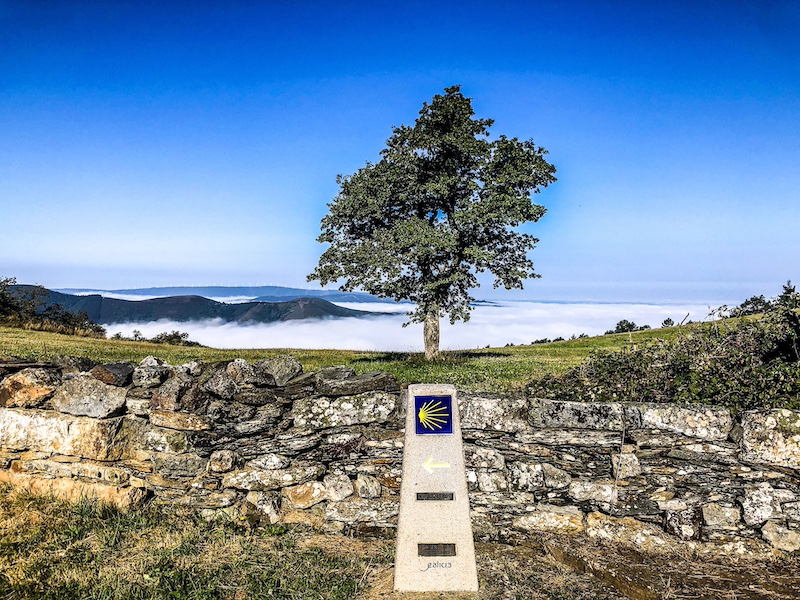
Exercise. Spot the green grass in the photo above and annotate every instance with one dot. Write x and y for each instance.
(57, 550)
(505, 369)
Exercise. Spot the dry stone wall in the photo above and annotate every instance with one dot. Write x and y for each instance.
(265, 442)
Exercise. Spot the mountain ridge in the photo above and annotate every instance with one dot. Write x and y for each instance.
(260, 293)
(190, 308)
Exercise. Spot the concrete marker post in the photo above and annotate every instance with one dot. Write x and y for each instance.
(435, 549)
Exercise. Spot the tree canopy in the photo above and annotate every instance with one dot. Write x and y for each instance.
(439, 207)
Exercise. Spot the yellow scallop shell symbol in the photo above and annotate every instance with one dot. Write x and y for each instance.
(433, 415)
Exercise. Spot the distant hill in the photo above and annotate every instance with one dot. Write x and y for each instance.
(192, 308)
(261, 293)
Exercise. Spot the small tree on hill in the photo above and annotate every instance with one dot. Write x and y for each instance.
(438, 208)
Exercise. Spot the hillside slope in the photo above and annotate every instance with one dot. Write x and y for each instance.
(192, 308)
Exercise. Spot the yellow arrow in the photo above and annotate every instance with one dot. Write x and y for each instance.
(429, 465)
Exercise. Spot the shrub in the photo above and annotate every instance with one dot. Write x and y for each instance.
(743, 364)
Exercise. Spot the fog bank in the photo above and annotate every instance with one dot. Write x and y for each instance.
(494, 325)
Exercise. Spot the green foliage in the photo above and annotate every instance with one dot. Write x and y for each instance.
(438, 208)
(26, 308)
(625, 326)
(788, 298)
(173, 338)
(667, 323)
(752, 363)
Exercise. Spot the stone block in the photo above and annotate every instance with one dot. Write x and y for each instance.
(378, 513)
(175, 466)
(158, 439)
(73, 364)
(179, 421)
(282, 368)
(686, 523)
(628, 530)
(478, 457)
(779, 536)
(625, 465)
(479, 411)
(338, 487)
(491, 481)
(269, 462)
(702, 422)
(28, 388)
(257, 480)
(367, 486)
(150, 372)
(245, 374)
(762, 502)
(268, 504)
(551, 519)
(719, 515)
(525, 477)
(119, 373)
(772, 437)
(56, 433)
(603, 416)
(323, 412)
(74, 490)
(83, 395)
(221, 385)
(599, 491)
(222, 461)
(168, 396)
(305, 495)
(554, 477)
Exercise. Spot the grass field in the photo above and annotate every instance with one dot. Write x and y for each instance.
(53, 550)
(505, 369)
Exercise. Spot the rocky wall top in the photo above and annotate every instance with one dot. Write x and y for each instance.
(264, 441)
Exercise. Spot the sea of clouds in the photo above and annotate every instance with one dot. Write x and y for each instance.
(495, 324)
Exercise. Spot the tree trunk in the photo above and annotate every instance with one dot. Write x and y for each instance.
(430, 333)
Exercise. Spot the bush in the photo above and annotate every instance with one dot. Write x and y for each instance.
(746, 364)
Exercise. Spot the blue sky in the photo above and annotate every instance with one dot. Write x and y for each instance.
(170, 143)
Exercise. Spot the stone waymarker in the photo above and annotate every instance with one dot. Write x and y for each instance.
(435, 551)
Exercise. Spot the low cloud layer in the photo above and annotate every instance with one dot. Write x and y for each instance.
(493, 325)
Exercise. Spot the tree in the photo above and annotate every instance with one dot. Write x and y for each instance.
(667, 323)
(789, 297)
(438, 208)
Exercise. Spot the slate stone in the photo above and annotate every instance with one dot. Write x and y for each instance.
(174, 466)
(350, 386)
(83, 395)
(179, 421)
(221, 385)
(169, 395)
(772, 437)
(245, 374)
(56, 433)
(604, 416)
(222, 461)
(323, 412)
(367, 486)
(258, 480)
(73, 364)
(338, 487)
(282, 368)
(28, 388)
(150, 372)
(118, 373)
(480, 411)
(780, 536)
(525, 477)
